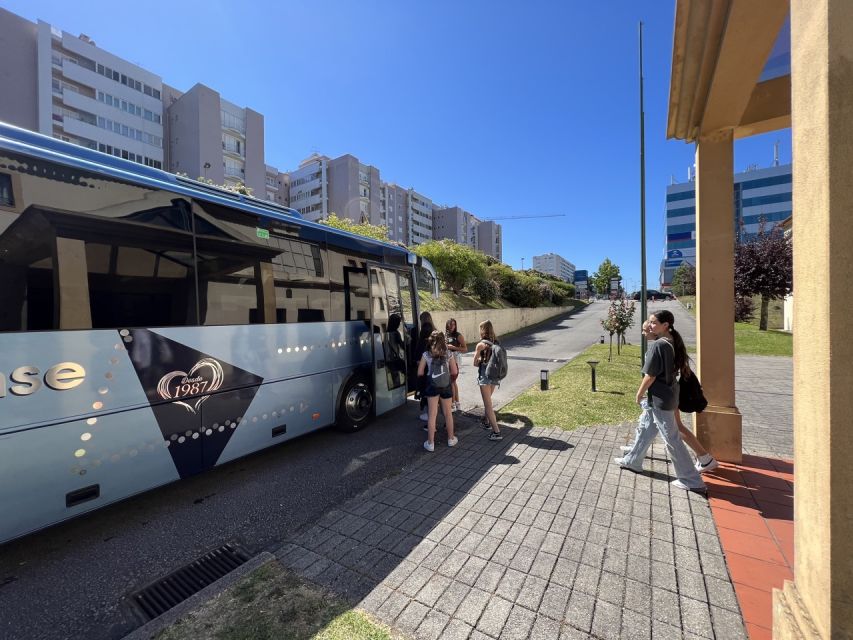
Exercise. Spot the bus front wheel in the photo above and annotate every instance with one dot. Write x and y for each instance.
(355, 406)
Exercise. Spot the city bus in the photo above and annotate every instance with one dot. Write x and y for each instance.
(153, 327)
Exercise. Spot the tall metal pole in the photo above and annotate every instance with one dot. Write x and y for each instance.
(642, 205)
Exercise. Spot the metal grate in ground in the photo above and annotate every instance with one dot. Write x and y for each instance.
(169, 591)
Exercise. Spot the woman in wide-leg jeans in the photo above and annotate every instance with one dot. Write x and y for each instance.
(665, 357)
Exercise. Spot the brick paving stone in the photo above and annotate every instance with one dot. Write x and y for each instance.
(432, 626)
(611, 588)
(691, 584)
(635, 626)
(518, 624)
(510, 584)
(457, 630)
(494, 616)
(665, 607)
(392, 607)
(580, 610)
(411, 617)
(531, 593)
(453, 596)
(415, 582)
(607, 621)
(554, 601)
(469, 573)
(696, 617)
(728, 624)
(721, 594)
(432, 590)
(545, 629)
(490, 577)
(472, 606)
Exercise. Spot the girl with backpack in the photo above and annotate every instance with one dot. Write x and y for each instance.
(704, 461)
(437, 368)
(456, 345)
(424, 332)
(487, 385)
(666, 357)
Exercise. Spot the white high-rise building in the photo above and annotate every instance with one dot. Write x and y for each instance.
(555, 265)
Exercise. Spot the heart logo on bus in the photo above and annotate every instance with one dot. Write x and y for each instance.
(204, 378)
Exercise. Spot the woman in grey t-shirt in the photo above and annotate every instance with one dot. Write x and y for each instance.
(665, 357)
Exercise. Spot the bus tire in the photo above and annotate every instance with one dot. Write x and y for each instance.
(355, 406)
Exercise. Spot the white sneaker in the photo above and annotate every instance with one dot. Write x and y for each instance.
(625, 448)
(452, 442)
(429, 446)
(706, 463)
(424, 416)
(678, 484)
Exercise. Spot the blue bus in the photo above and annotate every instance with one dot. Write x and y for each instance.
(152, 327)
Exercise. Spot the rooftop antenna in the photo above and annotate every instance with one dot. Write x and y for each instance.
(776, 154)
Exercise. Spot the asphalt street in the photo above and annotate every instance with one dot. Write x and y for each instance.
(72, 580)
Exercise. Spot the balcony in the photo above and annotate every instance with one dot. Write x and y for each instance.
(235, 172)
(234, 152)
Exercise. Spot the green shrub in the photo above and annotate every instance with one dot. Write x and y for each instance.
(456, 264)
(484, 289)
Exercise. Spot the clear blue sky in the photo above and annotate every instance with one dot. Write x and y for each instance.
(498, 107)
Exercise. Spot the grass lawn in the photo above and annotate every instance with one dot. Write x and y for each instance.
(274, 603)
(569, 403)
(749, 340)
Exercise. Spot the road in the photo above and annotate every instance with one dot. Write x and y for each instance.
(71, 581)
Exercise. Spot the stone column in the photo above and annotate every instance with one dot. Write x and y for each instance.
(819, 602)
(719, 426)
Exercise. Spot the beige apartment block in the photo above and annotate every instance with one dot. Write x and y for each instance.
(65, 86)
(213, 138)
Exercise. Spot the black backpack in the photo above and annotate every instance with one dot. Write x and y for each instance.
(439, 373)
(690, 396)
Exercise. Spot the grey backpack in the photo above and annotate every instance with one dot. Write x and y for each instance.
(439, 373)
(496, 367)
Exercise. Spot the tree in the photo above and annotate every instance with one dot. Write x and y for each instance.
(764, 265)
(601, 279)
(376, 232)
(455, 264)
(684, 280)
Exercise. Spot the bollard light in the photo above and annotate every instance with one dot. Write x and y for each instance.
(592, 364)
(602, 339)
(543, 379)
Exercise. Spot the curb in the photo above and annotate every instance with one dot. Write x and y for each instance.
(155, 626)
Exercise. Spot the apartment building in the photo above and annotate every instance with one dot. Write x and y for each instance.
(67, 87)
(759, 194)
(277, 186)
(210, 137)
(555, 265)
(490, 239)
(454, 223)
(394, 211)
(419, 216)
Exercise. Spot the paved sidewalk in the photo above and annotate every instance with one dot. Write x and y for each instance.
(538, 536)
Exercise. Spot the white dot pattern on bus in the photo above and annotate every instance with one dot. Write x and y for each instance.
(91, 421)
(124, 332)
(97, 405)
(79, 453)
(85, 437)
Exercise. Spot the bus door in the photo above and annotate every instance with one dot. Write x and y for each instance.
(389, 338)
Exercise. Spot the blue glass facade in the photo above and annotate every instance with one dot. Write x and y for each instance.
(758, 195)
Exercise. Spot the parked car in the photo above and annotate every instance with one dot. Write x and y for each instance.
(654, 294)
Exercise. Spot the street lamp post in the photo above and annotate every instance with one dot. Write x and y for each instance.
(206, 167)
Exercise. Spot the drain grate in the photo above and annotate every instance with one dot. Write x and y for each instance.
(157, 598)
